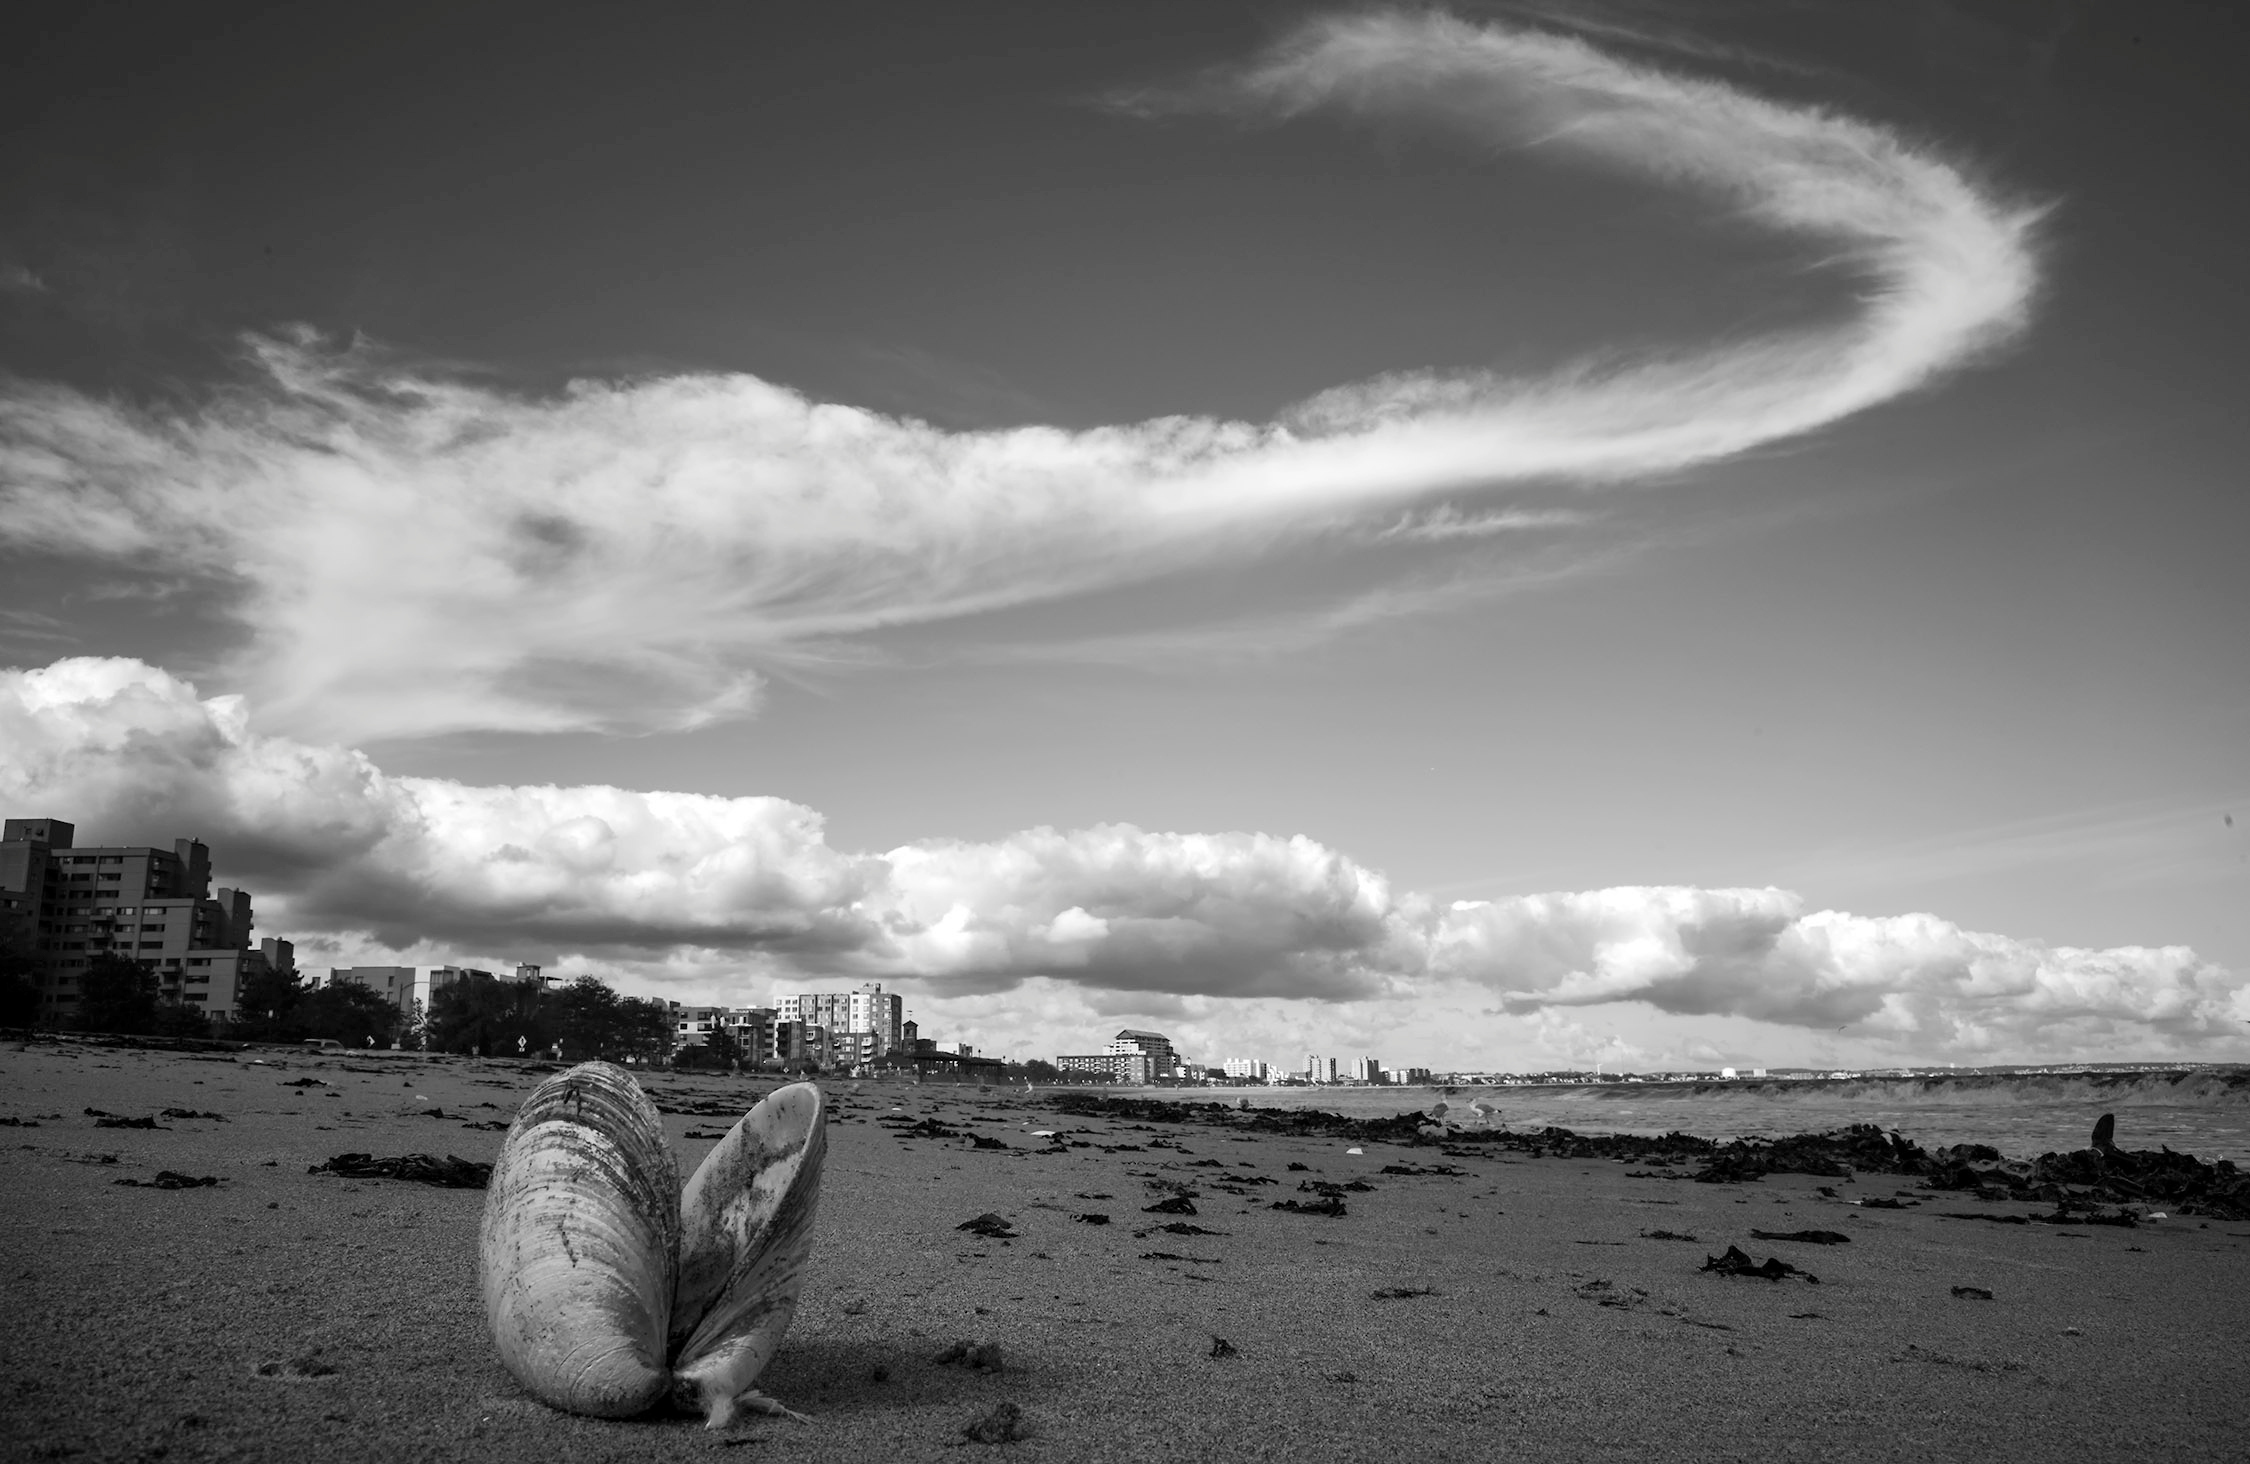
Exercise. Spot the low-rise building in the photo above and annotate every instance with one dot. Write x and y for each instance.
(1109, 1067)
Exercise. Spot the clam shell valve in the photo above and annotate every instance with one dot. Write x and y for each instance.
(608, 1289)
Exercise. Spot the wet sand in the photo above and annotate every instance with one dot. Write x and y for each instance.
(1543, 1321)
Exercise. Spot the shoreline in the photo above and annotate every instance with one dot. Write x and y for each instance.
(1463, 1304)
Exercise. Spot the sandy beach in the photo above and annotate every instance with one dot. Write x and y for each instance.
(1523, 1307)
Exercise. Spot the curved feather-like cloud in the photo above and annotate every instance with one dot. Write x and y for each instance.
(717, 894)
(414, 553)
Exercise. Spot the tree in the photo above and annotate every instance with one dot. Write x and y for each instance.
(266, 1006)
(117, 994)
(181, 1019)
(346, 1012)
(587, 1018)
(19, 999)
(1039, 1070)
(497, 1017)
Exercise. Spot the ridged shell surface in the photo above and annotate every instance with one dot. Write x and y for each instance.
(745, 1232)
(577, 1253)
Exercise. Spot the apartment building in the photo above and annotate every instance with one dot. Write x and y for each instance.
(1117, 1067)
(150, 905)
(1164, 1061)
(863, 1024)
(1251, 1069)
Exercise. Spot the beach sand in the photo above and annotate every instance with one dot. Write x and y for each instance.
(137, 1320)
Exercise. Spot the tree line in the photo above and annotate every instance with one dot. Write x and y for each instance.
(476, 1014)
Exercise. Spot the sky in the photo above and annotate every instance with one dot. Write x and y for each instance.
(1507, 536)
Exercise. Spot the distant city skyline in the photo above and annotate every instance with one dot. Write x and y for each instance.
(1515, 537)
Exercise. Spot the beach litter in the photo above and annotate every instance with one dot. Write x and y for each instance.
(990, 1224)
(1736, 1263)
(1804, 1237)
(1091, 1218)
(451, 1172)
(1972, 1293)
(1221, 1347)
(305, 1369)
(976, 1356)
(1330, 1205)
(1005, 1424)
(1176, 1205)
(169, 1179)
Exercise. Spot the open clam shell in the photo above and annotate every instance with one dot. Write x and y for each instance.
(606, 1289)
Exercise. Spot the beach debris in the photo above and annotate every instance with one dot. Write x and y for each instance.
(1005, 1424)
(1177, 1227)
(975, 1356)
(11, 1122)
(191, 1113)
(1736, 1263)
(1092, 1217)
(1355, 1151)
(2184, 1184)
(1804, 1237)
(1329, 1205)
(1445, 1170)
(1972, 1293)
(1293, 1164)
(304, 1083)
(451, 1172)
(990, 1224)
(1401, 1293)
(607, 1287)
(170, 1179)
(304, 1368)
(1988, 1219)
(1878, 1203)
(1176, 1205)
(1191, 1260)
(982, 1142)
(113, 1121)
(1665, 1235)
(1221, 1347)
(1090, 1195)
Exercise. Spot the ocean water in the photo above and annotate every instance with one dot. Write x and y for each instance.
(2204, 1112)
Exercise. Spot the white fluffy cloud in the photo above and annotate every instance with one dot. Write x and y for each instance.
(718, 898)
(413, 553)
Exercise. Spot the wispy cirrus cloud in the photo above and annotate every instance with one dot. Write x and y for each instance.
(413, 551)
(722, 897)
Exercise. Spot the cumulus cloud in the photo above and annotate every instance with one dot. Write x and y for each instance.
(720, 898)
(415, 552)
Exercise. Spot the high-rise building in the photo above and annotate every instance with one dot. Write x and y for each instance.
(1164, 1062)
(863, 1024)
(149, 905)
(1251, 1068)
(1367, 1070)
(1319, 1069)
